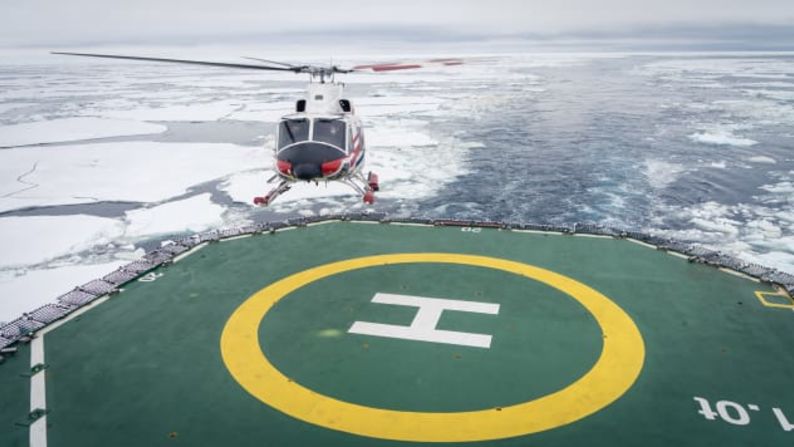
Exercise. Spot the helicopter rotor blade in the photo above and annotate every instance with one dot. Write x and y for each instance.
(409, 65)
(426, 63)
(183, 61)
(268, 61)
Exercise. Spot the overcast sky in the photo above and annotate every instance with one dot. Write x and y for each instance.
(90, 22)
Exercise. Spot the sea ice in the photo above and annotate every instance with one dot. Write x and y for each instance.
(750, 232)
(267, 112)
(197, 111)
(131, 171)
(378, 106)
(33, 240)
(712, 68)
(9, 106)
(782, 95)
(762, 159)
(195, 214)
(721, 135)
(785, 188)
(722, 164)
(398, 134)
(72, 129)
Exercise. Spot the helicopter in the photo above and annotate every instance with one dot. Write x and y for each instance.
(323, 138)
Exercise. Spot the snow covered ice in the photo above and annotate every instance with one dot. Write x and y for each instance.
(72, 129)
(135, 171)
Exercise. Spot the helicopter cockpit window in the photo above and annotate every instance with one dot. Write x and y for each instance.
(330, 131)
(293, 131)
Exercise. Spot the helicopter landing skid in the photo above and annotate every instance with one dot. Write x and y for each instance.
(364, 186)
(282, 187)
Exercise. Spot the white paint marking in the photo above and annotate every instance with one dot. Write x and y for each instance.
(56, 324)
(150, 277)
(189, 252)
(677, 254)
(234, 238)
(322, 222)
(595, 236)
(410, 224)
(38, 433)
(423, 327)
(556, 233)
(644, 244)
(38, 395)
(782, 420)
(739, 274)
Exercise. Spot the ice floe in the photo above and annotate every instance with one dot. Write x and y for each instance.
(781, 188)
(754, 233)
(195, 214)
(262, 111)
(722, 164)
(131, 171)
(712, 68)
(370, 107)
(10, 106)
(72, 129)
(197, 111)
(721, 135)
(26, 241)
(783, 95)
(762, 159)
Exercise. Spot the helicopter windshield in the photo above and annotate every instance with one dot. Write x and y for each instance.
(331, 131)
(292, 131)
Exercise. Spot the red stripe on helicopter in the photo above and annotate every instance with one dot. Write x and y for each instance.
(331, 167)
(395, 67)
(387, 67)
(391, 66)
(364, 67)
(356, 149)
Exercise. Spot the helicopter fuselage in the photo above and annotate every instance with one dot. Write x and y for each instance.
(322, 140)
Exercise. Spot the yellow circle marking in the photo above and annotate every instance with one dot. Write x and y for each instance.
(614, 372)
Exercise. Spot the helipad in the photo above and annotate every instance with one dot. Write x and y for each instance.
(356, 334)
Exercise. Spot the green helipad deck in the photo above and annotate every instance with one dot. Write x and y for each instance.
(355, 334)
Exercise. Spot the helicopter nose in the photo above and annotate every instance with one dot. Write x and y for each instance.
(307, 171)
(310, 160)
